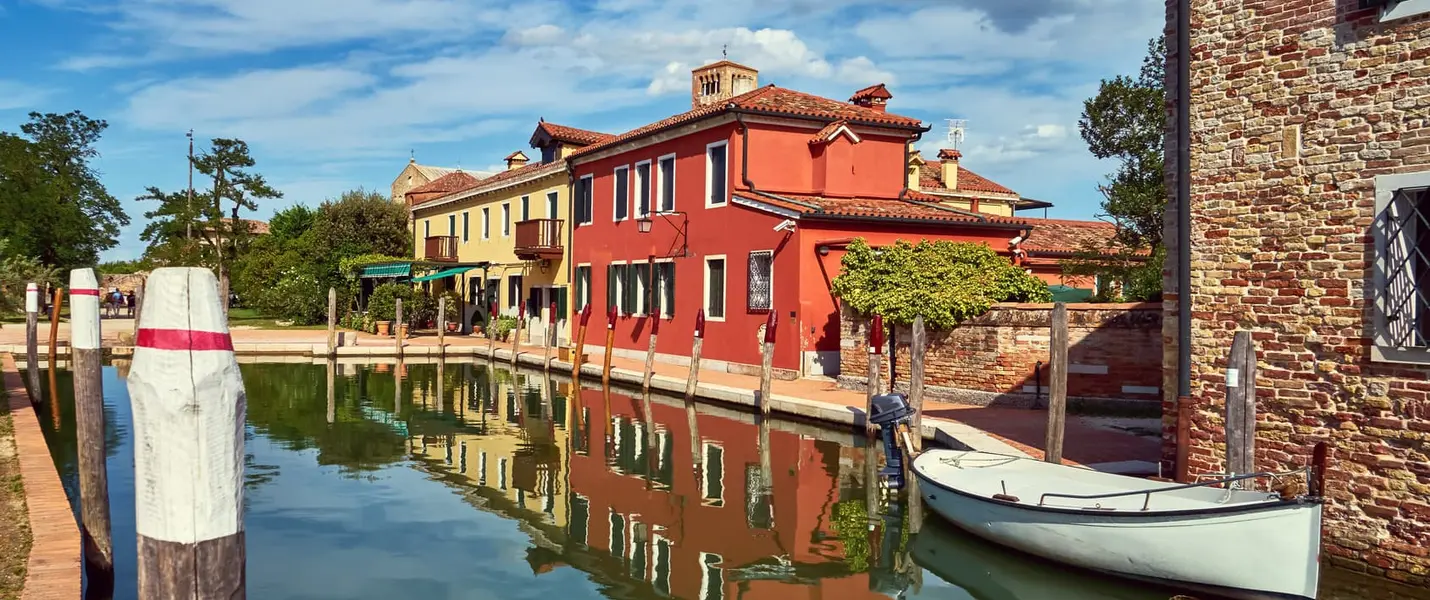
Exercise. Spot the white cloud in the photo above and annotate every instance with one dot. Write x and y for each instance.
(861, 71)
(21, 95)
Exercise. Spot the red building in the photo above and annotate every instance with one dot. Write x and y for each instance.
(752, 193)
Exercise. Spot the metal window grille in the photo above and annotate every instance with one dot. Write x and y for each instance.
(760, 286)
(1403, 271)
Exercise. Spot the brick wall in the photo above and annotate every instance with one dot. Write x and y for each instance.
(1114, 353)
(1296, 106)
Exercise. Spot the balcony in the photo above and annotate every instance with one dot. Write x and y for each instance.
(441, 248)
(538, 238)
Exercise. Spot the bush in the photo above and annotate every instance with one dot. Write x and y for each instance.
(298, 296)
(501, 326)
(422, 309)
(454, 306)
(382, 305)
(945, 282)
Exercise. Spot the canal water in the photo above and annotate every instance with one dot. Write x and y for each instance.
(463, 481)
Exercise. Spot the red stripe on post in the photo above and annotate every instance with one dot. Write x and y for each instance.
(183, 339)
(80, 292)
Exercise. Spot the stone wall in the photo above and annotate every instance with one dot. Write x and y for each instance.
(1296, 106)
(1114, 355)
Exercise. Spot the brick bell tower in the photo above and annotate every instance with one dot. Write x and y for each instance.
(720, 81)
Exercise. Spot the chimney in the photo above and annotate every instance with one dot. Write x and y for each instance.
(515, 160)
(915, 168)
(720, 81)
(874, 97)
(950, 167)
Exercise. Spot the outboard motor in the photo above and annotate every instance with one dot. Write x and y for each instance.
(890, 412)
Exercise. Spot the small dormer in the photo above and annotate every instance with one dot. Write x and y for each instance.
(721, 81)
(875, 96)
(516, 160)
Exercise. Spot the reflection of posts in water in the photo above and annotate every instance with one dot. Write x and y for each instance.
(54, 398)
(607, 426)
(188, 404)
(578, 351)
(548, 394)
(441, 385)
(610, 346)
(652, 449)
(397, 387)
(87, 364)
(766, 470)
(916, 522)
(871, 483)
(55, 322)
(332, 393)
(32, 340)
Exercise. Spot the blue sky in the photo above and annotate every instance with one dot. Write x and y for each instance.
(333, 94)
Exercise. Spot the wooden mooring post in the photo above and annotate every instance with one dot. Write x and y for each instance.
(691, 381)
(767, 357)
(332, 321)
(918, 347)
(876, 362)
(610, 346)
(551, 338)
(442, 325)
(491, 333)
(398, 329)
(59, 300)
(579, 349)
(32, 340)
(1241, 406)
(650, 352)
(188, 403)
(1057, 384)
(87, 364)
(516, 334)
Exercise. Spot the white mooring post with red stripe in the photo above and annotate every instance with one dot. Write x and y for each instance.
(88, 369)
(189, 404)
(32, 339)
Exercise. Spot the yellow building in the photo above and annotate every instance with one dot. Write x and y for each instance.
(506, 236)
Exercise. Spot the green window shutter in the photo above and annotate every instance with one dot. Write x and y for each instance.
(561, 303)
(611, 284)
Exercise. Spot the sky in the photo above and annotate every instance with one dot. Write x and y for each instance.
(336, 94)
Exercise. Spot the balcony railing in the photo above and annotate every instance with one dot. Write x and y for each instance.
(538, 238)
(442, 248)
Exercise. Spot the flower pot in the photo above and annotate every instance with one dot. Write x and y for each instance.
(451, 327)
(384, 327)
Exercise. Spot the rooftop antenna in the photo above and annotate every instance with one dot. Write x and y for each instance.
(724, 48)
(956, 129)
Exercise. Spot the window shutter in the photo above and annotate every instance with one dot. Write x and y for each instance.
(669, 289)
(628, 290)
(611, 284)
(561, 302)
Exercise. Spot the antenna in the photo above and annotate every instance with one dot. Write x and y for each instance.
(956, 129)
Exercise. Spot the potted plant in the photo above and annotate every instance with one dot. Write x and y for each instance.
(382, 306)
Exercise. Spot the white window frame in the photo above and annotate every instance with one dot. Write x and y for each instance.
(1381, 349)
(590, 182)
(620, 291)
(616, 202)
(645, 184)
(705, 497)
(585, 287)
(486, 222)
(666, 312)
(553, 205)
(657, 204)
(705, 283)
(506, 219)
(748, 275)
(710, 176)
(656, 541)
(641, 289)
(611, 541)
(1402, 9)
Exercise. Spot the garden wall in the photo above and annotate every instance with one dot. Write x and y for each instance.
(1115, 356)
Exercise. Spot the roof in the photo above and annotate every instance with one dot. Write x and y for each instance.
(874, 91)
(722, 63)
(1066, 236)
(916, 207)
(446, 184)
(931, 180)
(433, 173)
(773, 100)
(500, 180)
(518, 155)
(947, 153)
(832, 131)
(570, 135)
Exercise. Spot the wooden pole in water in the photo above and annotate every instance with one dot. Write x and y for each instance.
(188, 402)
(491, 333)
(1241, 406)
(690, 384)
(767, 357)
(579, 350)
(550, 338)
(87, 363)
(650, 352)
(918, 345)
(332, 321)
(442, 325)
(332, 393)
(398, 330)
(32, 340)
(55, 325)
(610, 346)
(1057, 384)
(876, 363)
(516, 335)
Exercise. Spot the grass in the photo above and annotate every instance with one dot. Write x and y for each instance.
(14, 524)
(248, 317)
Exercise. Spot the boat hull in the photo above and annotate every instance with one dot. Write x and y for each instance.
(1271, 552)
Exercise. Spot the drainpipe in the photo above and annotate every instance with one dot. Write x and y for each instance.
(571, 241)
(1184, 235)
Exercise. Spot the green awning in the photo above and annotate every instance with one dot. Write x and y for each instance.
(1064, 293)
(442, 273)
(388, 270)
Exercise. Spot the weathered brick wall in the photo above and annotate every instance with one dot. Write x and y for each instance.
(1114, 351)
(1296, 106)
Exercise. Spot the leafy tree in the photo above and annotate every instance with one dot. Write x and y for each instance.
(15, 272)
(228, 163)
(169, 225)
(291, 223)
(52, 205)
(945, 282)
(124, 267)
(361, 222)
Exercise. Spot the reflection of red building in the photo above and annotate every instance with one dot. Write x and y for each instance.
(695, 534)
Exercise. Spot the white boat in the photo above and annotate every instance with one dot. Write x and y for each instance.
(1228, 542)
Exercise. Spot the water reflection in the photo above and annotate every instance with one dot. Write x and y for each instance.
(464, 480)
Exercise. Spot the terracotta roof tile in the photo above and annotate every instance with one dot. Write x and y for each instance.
(499, 180)
(874, 91)
(931, 180)
(446, 184)
(571, 135)
(1065, 236)
(431, 172)
(518, 155)
(916, 208)
(830, 132)
(773, 100)
(722, 63)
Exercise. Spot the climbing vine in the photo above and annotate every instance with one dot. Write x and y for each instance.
(945, 282)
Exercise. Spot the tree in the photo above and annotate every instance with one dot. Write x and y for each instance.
(52, 205)
(169, 225)
(15, 272)
(227, 161)
(291, 223)
(360, 222)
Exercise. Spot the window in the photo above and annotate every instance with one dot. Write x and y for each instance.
(641, 291)
(618, 534)
(638, 550)
(583, 200)
(619, 291)
(505, 220)
(427, 228)
(493, 289)
(660, 575)
(1402, 270)
(713, 486)
(712, 579)
(715, 288)
(1400, 9)
(621, 196)
(583, 286)
(642, 188)
(716, 175)
(482, 468)
(487, 223)
(666, 182)
(580, 518)
(451, 225)
(551, 206)
(501, 473)
(759, 290)
(525, 208)
(513, 291)
(665, 287)
(466, 229)
(759, 502)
